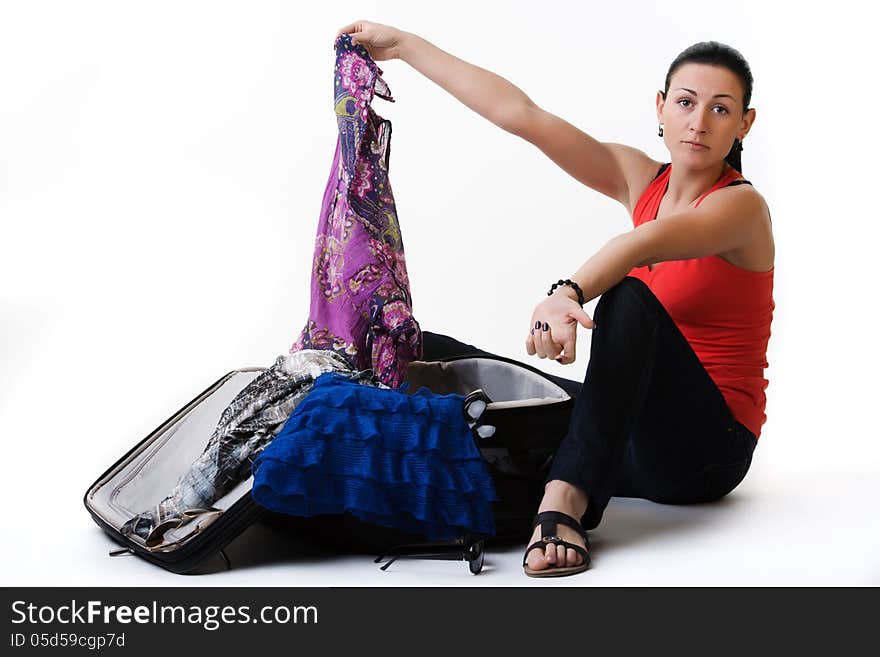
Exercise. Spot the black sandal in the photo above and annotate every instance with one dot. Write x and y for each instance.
(549, 521)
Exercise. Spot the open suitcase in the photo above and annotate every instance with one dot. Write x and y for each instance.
(528, 409)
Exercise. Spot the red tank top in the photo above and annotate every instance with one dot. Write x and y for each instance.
(723, 311)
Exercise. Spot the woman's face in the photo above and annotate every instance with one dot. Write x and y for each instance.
(704, 105)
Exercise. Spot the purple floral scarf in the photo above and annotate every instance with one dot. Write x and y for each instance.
(361, 307)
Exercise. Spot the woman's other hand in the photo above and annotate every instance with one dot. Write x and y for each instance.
(382, 42)
(554, 327)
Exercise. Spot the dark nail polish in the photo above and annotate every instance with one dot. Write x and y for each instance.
(546, 326)
(537, 324)
(532, 331)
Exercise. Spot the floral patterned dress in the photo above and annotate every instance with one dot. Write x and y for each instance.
(361, 307)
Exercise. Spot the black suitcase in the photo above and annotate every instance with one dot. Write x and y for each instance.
(527, 408)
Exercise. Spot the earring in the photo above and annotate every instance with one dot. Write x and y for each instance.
(660, 133)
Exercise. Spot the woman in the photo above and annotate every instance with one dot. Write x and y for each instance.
(673, 400)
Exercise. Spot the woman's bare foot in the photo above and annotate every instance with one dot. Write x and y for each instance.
(567, 498)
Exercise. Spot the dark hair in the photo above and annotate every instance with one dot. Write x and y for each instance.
(718, 54)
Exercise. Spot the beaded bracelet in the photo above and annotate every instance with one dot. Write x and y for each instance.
(571, 283)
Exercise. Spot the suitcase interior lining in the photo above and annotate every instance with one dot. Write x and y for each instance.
(505, 384)
(149, 474)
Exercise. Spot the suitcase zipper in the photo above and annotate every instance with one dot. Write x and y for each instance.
(124, 552)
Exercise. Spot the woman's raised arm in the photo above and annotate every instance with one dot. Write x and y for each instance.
(614, 170)
(611, 169)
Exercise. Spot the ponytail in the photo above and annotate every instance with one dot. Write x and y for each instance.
(734, 158)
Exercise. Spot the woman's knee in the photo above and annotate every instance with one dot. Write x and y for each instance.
(629, 296)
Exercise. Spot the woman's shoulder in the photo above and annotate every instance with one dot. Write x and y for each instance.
(753, 213)
(744, 191)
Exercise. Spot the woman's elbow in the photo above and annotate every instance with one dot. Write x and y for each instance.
(520, 118)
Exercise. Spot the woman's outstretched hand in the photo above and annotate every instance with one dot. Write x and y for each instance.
(381, 41)
(554, 328)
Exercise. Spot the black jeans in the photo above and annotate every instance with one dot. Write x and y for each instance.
(648, 420)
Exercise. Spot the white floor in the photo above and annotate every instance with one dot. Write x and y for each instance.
(776, 529)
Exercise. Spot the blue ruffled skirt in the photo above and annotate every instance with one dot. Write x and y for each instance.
(403, 461)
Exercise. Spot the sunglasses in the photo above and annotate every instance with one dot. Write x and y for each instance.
(469, 548)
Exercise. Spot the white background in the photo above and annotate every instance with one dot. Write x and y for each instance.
(161, 172)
